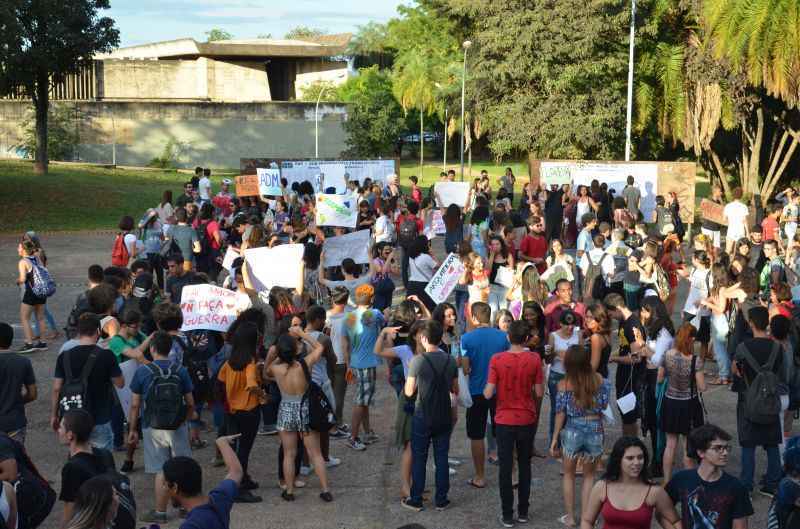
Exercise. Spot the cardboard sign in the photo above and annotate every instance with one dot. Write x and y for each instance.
(269, 182)
(437, 223)
(336, 173)
(712, 211)
(451, 193)
(247, 185)
(445, 279)
(337, 210)
(281, 266)
(230, 256)
(353, 245)
(207, 307)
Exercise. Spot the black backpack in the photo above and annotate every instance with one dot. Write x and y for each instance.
(321, 415)
(164, 405)
(762, 402)
(436, 405)
(35, 496)
(74, 394)
(203, 238)
(81, 307)
(407, 232)
(197, 349)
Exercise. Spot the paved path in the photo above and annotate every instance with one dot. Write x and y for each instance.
(365, 486)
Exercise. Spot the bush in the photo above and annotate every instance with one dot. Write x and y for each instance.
(170, 157)
(62, 134)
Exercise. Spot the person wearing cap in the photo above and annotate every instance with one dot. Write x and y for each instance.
(223, 201)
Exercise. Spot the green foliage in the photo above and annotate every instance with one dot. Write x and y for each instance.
(171, 156)
(62, 137)
(304, 32)
(217, 34)
(375, 118)
(313, 90)
(264, 36)
(369, 46)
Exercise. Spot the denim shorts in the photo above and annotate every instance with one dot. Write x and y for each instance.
(582, 438)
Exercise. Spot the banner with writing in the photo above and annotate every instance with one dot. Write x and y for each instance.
(712, 211)
(451, 193)
(353, 245)
(247, 185)
(269, 181)
(335, 173)
(337, 210)
(207, 307)
(281, 266)
(445, 279)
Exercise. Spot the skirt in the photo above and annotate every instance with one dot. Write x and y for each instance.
(681, 416)
(402, 423)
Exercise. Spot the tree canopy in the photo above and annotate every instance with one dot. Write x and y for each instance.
(216, 34)
(304, 32)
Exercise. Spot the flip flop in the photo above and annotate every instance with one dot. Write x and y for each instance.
(472, 483)
(563, 521)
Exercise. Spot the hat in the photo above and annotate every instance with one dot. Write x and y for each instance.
(227, 181)
(143, 285)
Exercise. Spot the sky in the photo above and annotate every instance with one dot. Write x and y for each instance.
(143, 21)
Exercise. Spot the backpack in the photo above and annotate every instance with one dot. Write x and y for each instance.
(196, 363)
(42, 284)
(594, 285)
(321, 415)
(774, 520)
(80, 307)
(662, 283)
(164, 405)
(762, 403)
(203, 238)
(436, 405)
(74, 394)
(119, 254)
(407, 232)
(35, 496)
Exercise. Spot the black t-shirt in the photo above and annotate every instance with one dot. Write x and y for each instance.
(760, 349)
(16, 371)
(757, 257)
(709, 504)
(552, 205)
(82, 467)
(105, 368)
(175, 285)
(626, 337)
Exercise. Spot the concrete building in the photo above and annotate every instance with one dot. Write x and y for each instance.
(209, 102)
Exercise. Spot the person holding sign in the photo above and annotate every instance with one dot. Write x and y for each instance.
(421, 269)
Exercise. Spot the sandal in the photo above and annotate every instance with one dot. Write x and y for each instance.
(287, 496)
(563, 521)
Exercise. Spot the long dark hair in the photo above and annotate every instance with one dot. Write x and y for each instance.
(244, 346)
(614, 465)
(503, 246)
(286, 346)
(659, 317)
(419, 246)
(166, 198)
(253, 315)
(440, 311)
(479, 214)
(93, 504)
(452, 217)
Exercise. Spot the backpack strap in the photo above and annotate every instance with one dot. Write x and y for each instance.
(305, 370)
(773, 356)
(67, 365)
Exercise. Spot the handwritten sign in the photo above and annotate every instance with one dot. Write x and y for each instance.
(437, 223)
(207, 307)
(247, 185)
(337, 210)
(712, 211)
(452, 193)
(269, 181)
(230, 256)
(353, 245)
(445, 279)
(281, 266)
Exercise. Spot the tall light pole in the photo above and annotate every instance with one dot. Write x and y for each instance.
(444, 157)
(630, 85)
(466, 44)
(316, 115)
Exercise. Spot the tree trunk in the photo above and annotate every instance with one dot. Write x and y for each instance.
(41, 102)
(772, 180)
(421, 142)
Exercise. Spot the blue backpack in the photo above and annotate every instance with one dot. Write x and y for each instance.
(42, 284)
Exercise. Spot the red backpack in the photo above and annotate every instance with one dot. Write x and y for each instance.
(120, 255)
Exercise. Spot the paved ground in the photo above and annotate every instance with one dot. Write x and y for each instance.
(365, 486)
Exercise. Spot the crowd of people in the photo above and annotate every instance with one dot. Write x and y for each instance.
(567, 294)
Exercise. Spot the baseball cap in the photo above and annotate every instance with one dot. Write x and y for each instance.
(227, 181)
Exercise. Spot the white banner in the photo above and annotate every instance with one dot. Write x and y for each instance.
(230, 256)
(452, 193)
(645, 177)
(333, 172)
(445, 279)
(353, 245)
(337, 210)
(128, 368)
(269, 182)
(281, 266)
(207, 307)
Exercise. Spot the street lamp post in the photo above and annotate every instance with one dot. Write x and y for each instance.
(629, 116)
(444, 158)
(466, 44)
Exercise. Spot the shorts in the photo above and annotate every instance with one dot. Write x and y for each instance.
(161, 445)
(29, 298)
(102, 436)
(582, 438)
(365, 386)
(476, 416)
(704, 332)
(293, 414)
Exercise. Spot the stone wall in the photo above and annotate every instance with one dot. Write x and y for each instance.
(208, 134)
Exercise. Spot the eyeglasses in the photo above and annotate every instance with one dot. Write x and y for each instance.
(720, 448)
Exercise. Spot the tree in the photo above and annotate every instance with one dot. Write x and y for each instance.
(326, 88)
(369, 46)
(218, 34)
(304, 32)
(43, 41)
(264, 36)
(374, 119)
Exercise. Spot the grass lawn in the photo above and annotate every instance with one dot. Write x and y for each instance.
(75, 197)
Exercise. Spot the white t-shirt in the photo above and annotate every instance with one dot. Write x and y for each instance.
(130, 244)
(336, 324)
(596, 255)
(205, 188)
(700, 281)
(659, 346)
(384, 229)
(735, 213)
(421, 268)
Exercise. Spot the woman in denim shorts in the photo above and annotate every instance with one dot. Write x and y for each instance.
(582, 397)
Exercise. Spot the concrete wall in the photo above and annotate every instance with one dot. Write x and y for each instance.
(209, 134)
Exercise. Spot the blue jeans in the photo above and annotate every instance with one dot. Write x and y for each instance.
(552, 390)
(102, 436)
(719, 335)
(421, 438)
(749, 467)
(118, 423)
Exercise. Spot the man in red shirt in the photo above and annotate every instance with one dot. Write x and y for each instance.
(533, 247)
(770, 228)
(559, 303)
(516, 376)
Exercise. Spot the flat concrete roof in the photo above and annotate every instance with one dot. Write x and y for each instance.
(323, 46)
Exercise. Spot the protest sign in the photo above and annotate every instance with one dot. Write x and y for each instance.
(247, 185)
(207, 307)
(437, 223)
(452, 193)
(712, 211)
(445, 279)
(269, 181)
(332, 172)
(505, 276)
(230, 256)
(281, 266)
(337, 210)
(353, 245)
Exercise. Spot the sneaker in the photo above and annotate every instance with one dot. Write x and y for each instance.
(411, 506)
(522, 518)
(339, 434)
(344, 427)
(507, 522)
(769, 492)
(248, 484)
(356, 444)
(451, 471)
(305, 470)
(41, 346)
(453, 462)
(370, 438)
(333, 462)
(245, 496)
(443, 506)
(268, 430)
(326, 497)
(27, 348)
(154, 517)
(126, 467)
